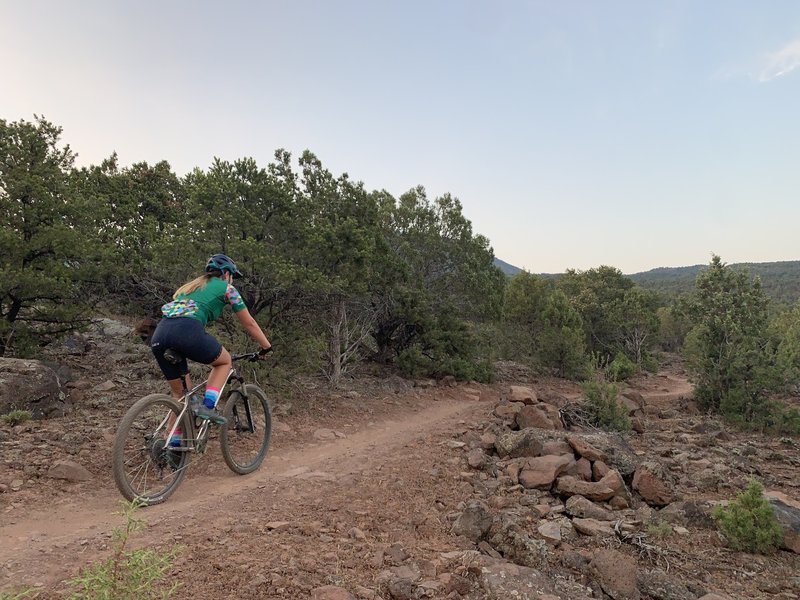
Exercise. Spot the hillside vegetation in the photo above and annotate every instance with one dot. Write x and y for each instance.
(344, 278)
(780, 280)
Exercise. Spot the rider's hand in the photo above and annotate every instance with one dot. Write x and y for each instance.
(264, 351)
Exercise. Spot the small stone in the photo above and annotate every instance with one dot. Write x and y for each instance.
(402, 589)
(69, 471)
(356, 534)
(106, 386)
(331, 592)
(592, 527)
(476, 458)
(396, 554)
(550, 530)
(585, 449)
(324, 435)
(519, 393)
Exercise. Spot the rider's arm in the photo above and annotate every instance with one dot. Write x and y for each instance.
(251, 327)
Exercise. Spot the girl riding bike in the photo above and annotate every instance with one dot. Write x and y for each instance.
(182, 329)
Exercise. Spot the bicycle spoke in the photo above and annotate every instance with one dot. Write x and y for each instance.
(245, 439)
(145, 465)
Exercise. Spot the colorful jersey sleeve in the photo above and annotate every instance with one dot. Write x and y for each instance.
(234, 299)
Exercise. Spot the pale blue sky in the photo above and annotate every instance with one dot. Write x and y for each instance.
(634, 134)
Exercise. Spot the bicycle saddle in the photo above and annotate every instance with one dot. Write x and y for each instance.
(173, 356)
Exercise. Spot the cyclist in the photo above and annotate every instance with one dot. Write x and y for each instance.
(182, 329)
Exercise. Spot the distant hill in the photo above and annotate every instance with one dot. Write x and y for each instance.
(506, 268)
(781, 280)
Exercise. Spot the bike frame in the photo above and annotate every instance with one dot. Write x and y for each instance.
(197, 442)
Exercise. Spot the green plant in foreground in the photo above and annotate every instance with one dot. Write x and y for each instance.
(127, 574)
(659, 530)
(15, 417)
(602, 408)
(748, 522)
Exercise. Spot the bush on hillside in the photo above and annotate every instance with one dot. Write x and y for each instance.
(621, 368)
(602, 407)
(15, 417)
(749, 522)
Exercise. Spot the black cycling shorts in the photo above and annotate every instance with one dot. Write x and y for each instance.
(188, 337)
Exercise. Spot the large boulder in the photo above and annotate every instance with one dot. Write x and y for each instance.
(533, 416)
(654, 484)
(616, 574)
(33, 386)
(513, 541)
(593, 527)
(501, 580)
(585, 449)
(519, 393)
(593, 490)
(620, 455)
(583, 508)
(474, 522)
(508, 410)
(540, 472)
(787, 511)
(657, 585)
(519, 443)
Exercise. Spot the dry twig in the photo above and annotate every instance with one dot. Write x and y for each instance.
(651, 552)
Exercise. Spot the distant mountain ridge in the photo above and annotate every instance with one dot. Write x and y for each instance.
(780, 280)
(506, 268)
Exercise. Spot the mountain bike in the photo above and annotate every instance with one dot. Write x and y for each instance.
(147, 463)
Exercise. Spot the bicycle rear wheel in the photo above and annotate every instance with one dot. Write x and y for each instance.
(145, 465)
(245, 439)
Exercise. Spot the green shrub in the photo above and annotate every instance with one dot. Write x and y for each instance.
(602, 408)
(127, 574)
(650, 363)
(15, 417)
(772, 416)
(659, 530)
(621, 368)
(749, 522)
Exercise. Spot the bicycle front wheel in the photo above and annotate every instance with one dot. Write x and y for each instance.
(245, 439)
(145, 465)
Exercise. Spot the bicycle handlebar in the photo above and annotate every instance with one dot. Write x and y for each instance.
(251, 356)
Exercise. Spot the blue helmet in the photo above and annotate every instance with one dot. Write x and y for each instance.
(223, 263)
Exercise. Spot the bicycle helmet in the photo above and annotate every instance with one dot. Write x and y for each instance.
(223, 263)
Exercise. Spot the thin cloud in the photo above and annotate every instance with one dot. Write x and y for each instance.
(780, 63)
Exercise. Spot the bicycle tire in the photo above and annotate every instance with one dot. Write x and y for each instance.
(235, 437)
(140, 445)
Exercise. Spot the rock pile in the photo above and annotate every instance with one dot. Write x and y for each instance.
(547, 503)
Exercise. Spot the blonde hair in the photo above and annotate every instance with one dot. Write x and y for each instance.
(192, 286)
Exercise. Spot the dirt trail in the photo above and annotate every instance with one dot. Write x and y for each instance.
(45, 546)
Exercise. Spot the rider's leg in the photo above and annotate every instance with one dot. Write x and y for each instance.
(220, 369)
(177, 388)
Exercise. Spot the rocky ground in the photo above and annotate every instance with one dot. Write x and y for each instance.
(388, 490)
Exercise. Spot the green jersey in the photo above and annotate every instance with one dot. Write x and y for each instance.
(205, 304)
